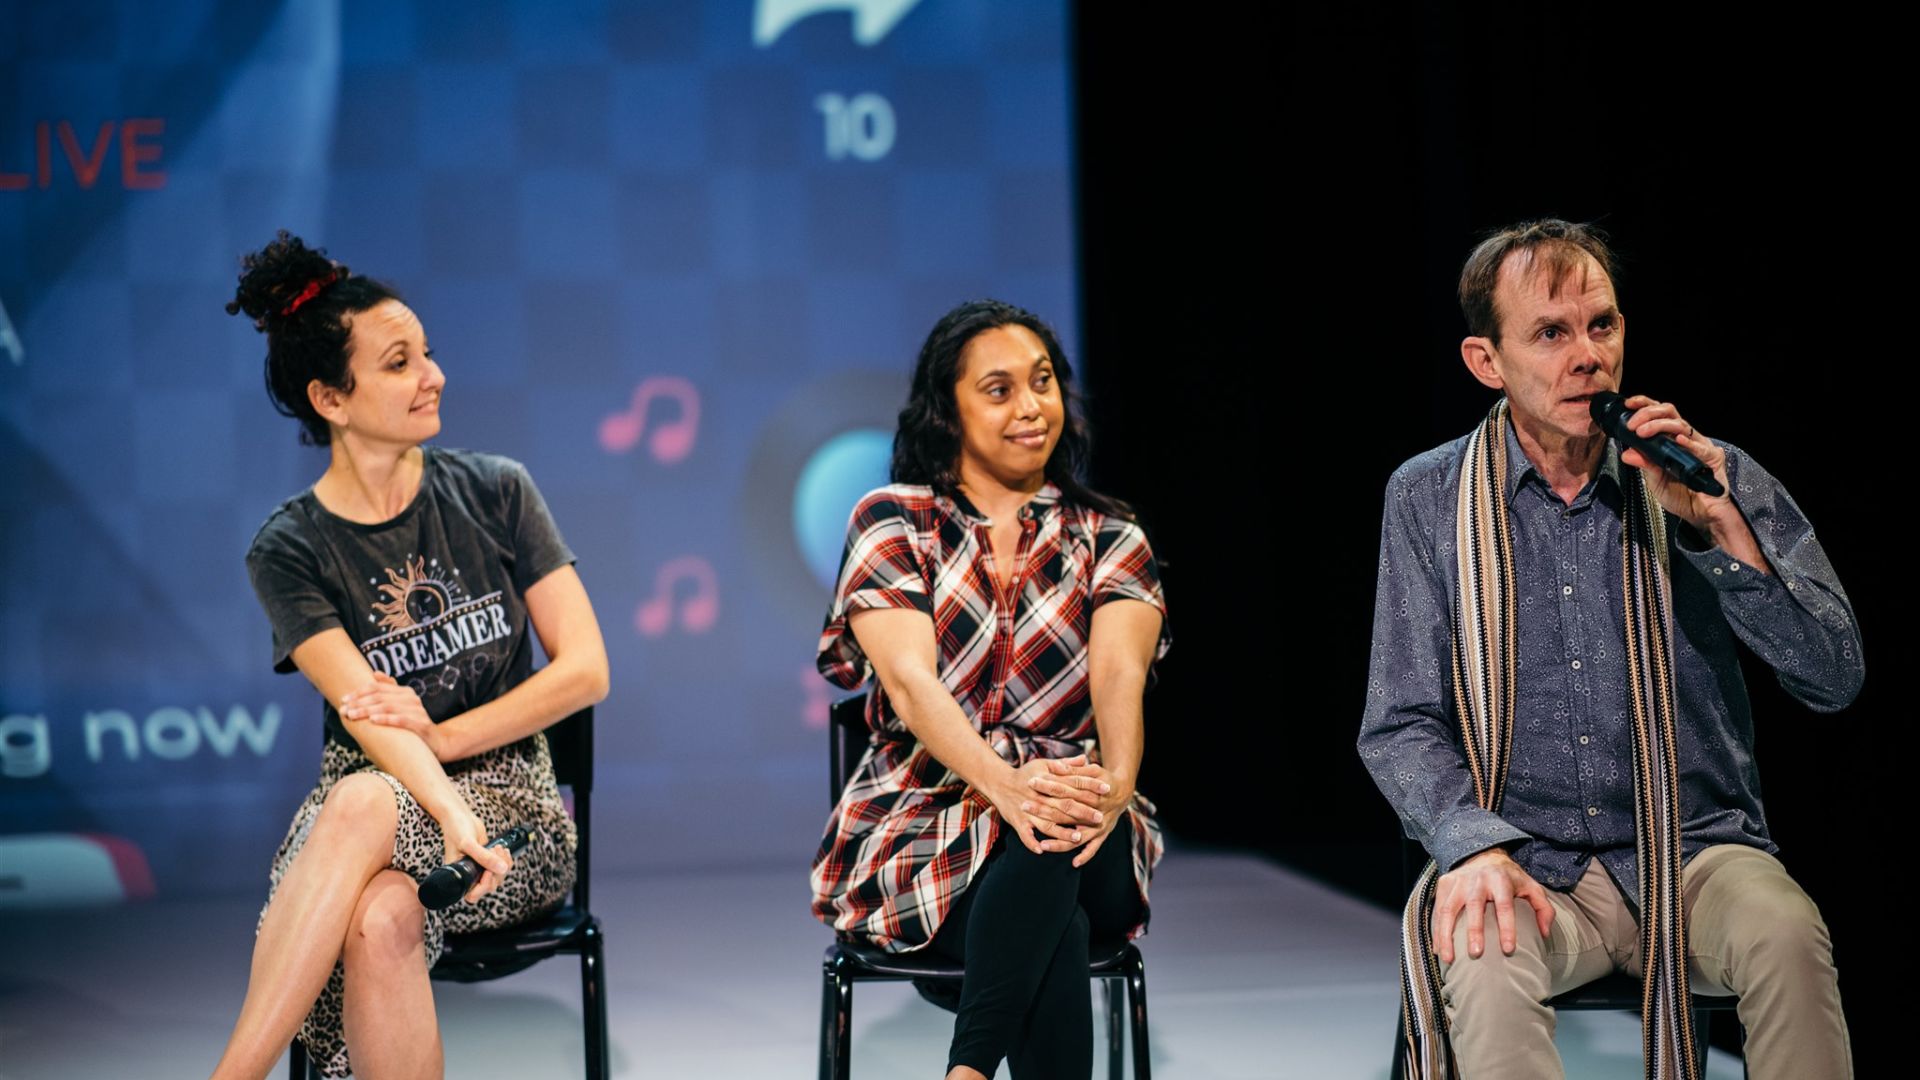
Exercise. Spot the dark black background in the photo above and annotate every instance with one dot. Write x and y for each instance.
(1273, 217)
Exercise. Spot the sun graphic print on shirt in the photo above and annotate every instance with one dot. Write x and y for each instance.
(417, 596)
(435, 634)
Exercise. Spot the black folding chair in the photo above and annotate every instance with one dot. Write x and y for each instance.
(849, 961)
(571, 930)
(1618, 991)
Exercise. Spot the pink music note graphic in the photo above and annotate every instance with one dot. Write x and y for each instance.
(816, 700)
(672, 440)
(696, 614)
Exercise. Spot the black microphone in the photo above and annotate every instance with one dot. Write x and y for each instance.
(1609, 410)
(447, 885)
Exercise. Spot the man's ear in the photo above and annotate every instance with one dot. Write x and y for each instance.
(1477, 353)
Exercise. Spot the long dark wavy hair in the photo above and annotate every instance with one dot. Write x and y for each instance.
(926, 444)
(313, 341)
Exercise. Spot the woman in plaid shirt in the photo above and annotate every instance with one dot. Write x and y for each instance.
(994, 818)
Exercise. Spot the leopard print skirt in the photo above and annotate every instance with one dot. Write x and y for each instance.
(509, 786)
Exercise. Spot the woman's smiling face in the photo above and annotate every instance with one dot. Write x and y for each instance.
(396, 383)
(1010, 406)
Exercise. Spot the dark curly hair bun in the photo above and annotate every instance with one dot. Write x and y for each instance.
(272, 277)
(313, 339)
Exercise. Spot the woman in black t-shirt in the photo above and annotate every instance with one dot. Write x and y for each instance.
(402, 585)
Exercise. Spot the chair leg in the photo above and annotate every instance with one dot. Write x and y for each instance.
(593, 1001)
(836, 1020)
(1136, 969)
(1116, 1029)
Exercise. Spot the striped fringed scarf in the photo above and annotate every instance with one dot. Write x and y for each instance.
(1483, 694)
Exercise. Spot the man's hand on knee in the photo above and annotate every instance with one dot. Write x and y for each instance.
(1489, 877)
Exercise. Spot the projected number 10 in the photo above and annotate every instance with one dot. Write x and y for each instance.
(860, 126)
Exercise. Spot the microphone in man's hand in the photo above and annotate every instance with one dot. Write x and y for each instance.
(1609, 410)
(445, 886)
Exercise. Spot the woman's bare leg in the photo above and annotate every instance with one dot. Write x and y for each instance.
(301, 936)
(392, 1033)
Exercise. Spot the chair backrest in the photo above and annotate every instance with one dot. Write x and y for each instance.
(570, 740)
(571, 743)
(847, 738)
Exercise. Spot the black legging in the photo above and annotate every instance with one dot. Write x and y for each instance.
(1022, 929)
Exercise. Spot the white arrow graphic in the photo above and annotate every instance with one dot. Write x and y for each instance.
(872, 19)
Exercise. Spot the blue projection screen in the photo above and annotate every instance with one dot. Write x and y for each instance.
(675, 257)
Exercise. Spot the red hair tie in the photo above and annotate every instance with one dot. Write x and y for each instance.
(312, 290)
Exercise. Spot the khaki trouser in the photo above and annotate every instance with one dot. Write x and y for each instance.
(1751, 931)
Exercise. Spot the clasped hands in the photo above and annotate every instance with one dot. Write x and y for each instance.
(1058, 804)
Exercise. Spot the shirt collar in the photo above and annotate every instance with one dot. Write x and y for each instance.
(1044, 502)
(1520, 466)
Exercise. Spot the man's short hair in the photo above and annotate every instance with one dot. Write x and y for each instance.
(1556, 246)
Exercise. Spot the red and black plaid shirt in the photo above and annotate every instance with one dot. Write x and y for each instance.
(908, 835)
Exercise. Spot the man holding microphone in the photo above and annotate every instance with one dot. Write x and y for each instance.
(1555, 707)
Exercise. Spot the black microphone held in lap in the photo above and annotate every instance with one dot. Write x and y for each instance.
(445, 886)
(1609, 410)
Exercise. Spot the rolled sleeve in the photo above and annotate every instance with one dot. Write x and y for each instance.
(1124, 569)
(879, 569)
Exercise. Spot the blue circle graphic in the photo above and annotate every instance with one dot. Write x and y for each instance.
(845, 467)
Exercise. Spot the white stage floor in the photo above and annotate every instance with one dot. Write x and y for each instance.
(1252, 972)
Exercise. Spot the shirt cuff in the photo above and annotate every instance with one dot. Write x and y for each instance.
(1735, 581)
(1469, 832)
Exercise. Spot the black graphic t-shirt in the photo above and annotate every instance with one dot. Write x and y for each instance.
(433, 596)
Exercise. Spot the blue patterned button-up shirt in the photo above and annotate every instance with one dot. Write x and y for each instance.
(1569, 795)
